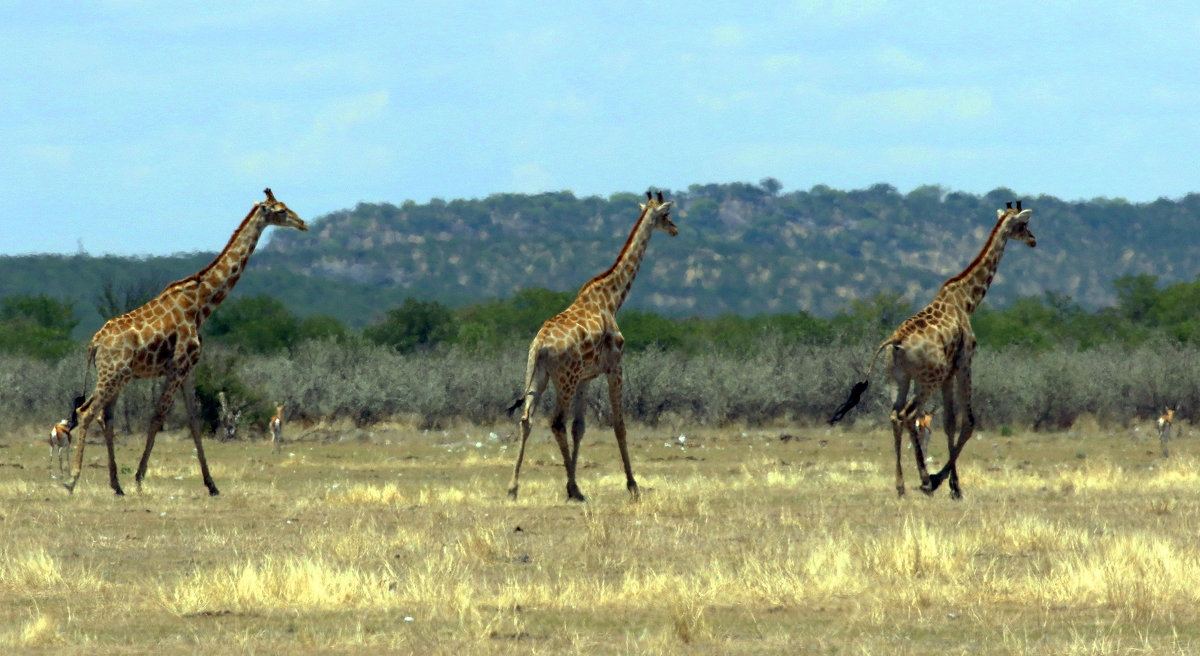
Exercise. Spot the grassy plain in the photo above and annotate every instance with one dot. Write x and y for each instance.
(780, 540)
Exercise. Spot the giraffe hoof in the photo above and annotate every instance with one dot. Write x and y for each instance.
(935, 481)
(213, 491)
(927, 489)
(573, 493)
(512, 493)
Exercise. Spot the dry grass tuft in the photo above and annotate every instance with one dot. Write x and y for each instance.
(39, 631)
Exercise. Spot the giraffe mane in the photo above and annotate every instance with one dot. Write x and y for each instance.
(199, 274)
(982, 252)
(624, 248)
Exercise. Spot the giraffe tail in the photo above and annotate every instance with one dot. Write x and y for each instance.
(535, 378)
(856, 392)
(82, 401)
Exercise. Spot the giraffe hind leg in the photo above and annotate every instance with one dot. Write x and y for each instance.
(100, 400)
(899, 406)
(525, 427)
(898, 440)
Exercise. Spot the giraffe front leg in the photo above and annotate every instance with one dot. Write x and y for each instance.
(614, 397)
(189, 399)
(160, 414)
(949, 424)
(578, 425)
(558, 426)
(962, 384)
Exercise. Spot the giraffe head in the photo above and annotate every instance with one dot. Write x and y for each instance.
(1016, 224)
(278, 214)
(660, 213)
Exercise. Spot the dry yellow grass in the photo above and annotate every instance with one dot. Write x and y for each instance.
(1073, 543)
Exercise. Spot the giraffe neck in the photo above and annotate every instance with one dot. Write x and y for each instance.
(611, 288)
(968, 288)
(218, 278)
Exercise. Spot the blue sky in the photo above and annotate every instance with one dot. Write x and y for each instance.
(136, 127)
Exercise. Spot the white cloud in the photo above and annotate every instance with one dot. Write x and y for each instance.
(344, 113)
(51, 155)
(918, 105)
(530, 178)
(900, 61)
(728, 35)
(838, 13)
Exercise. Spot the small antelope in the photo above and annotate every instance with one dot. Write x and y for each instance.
(277, 428)
(924, 430)
(1164, 429)
(60, 445)
(60, 438)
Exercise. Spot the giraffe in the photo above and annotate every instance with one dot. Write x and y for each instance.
(276, 425)
(1164, 429)
(934, 348)
(162, 339)
(583, 342)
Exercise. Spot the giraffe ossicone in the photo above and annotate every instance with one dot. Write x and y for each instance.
(583, 342)
(933, 349)
(161, 339)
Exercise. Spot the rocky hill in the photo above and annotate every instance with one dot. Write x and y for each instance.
(741, 248)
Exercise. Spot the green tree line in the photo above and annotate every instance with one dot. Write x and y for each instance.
(40, 326)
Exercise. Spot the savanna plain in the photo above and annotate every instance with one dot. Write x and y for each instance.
(781, 539)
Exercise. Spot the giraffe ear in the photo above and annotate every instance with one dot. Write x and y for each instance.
(999, 214)
(643, 206)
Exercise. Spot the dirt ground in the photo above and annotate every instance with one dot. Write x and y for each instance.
(788, 539)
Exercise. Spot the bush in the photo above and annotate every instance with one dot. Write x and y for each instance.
(352, 379)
